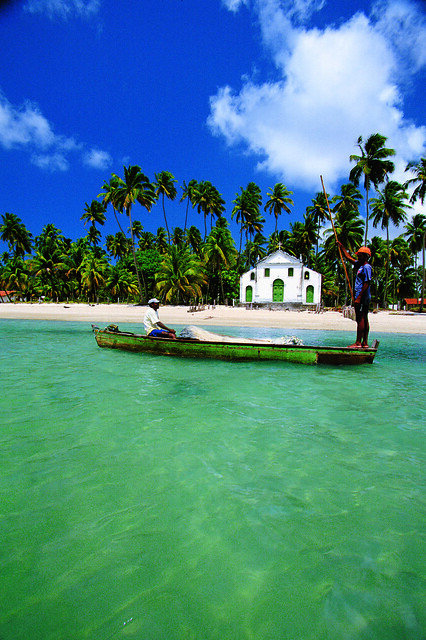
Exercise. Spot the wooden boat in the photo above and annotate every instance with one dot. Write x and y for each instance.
(113, 338)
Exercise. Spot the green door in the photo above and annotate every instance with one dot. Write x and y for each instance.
(278, 291)
(249, 294)
(309, 294)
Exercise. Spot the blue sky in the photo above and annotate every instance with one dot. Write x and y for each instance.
(230, 91)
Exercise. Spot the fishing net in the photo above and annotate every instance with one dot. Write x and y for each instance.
(196, 333)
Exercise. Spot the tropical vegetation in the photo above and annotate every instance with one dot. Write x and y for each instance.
(202, 262)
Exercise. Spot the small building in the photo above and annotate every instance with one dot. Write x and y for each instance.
(283, 280)
(414, 302)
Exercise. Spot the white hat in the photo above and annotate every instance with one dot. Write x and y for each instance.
(153, 300)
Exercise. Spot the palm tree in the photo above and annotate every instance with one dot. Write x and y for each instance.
(15, 275)
(419, 180)
(178, 237)
(49, 266)
(93, 274)
(373, 165)
(121, 282)
(416, 234)
(15, 234)
(419, 193)
(146, 240)
(279, 199)
(94, 213)
(135, 187)
(165, 185)
(180, 276)
(117, 245)
(208, 201)
(188, 191)
(220, 251)
(389, 207)
(246, 209)
(193, 238)
(319, 212)
(349, 228)
(109, 196)
(161, 240)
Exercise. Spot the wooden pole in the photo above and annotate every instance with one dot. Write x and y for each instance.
(338, 246)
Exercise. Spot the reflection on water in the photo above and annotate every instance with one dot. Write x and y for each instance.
(153, 498)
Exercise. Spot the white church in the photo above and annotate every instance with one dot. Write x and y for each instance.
(281, 279)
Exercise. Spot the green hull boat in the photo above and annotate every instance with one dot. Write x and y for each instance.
(234, 351)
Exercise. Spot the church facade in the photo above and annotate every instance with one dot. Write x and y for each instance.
(281, 279)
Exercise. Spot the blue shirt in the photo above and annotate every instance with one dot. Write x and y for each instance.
(364, 274)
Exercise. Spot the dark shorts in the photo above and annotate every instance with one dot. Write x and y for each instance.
(361, 309)
(157, 333)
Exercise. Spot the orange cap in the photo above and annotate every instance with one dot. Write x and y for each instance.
(364, 250)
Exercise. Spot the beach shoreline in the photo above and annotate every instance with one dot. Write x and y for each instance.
(381, 322)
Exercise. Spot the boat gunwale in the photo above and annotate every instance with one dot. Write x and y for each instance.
(360, 350)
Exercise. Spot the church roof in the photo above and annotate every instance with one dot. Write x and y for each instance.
(279, 257)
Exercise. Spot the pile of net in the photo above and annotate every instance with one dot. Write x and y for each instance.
(196, 333)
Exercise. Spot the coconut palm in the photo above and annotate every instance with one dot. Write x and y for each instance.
(146, 240)
(180, 276)
(208, 201)
(121, 283)
(165, 186)
(109, 196)
(117, 245)
(220, 252)
(15, 234)
(94, 271)
(419, 180)
(49, 266)
(279, 240)
(188, 191)
(246, 212)
(419, 193)
(161, 240)
(94, 213)
(373, 165)
(193, 238)
(416, 234)
(135, 187)
(388, 208)
(279, 199)
(15, 276)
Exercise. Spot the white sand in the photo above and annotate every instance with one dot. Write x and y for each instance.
(382, 321)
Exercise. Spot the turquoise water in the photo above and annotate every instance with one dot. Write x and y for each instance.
(163, 499)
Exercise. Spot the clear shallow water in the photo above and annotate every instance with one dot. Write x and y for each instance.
(164, 499)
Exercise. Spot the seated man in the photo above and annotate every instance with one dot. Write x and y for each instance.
(153, 327)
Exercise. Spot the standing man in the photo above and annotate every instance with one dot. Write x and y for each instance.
(361, 293)
(153, 327)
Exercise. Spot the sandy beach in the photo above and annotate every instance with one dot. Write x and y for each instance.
(383, 321)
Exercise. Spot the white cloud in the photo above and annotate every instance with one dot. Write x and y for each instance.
(53, 162)
(97, 159)
(332, 86)
(234, 5)
(26, 128)
(63, 8)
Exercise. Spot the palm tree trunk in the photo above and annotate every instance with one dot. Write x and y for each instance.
(141, 291)
(423, 281)
(165, 218)
(385, 292)
(366, 220)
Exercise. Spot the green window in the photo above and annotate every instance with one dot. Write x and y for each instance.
(306, 275)
(309, 294)
(249, 294)
(290, 272)
(252, 275)
(278, 291)
(267, 273)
